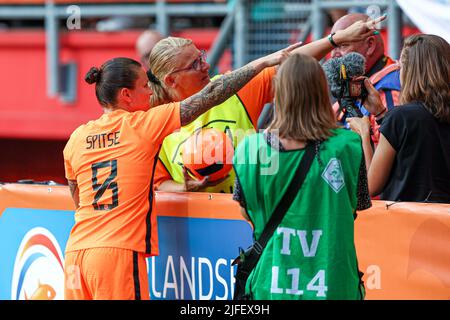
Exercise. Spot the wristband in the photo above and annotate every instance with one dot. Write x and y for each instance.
(330, 38)
(380, 113)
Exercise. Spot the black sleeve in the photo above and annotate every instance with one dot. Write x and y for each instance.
(364, 201)
(394, 128)
(237, 193)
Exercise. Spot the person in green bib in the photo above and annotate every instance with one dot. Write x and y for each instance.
(311, 254)
(178, 69)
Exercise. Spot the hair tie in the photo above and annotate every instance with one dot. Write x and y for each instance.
(152, 77)
(93, 75)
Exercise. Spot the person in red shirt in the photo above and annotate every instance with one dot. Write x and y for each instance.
(110, 162)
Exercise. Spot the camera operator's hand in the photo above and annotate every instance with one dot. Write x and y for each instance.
(358, 31)
(360, 125)
(373, 102)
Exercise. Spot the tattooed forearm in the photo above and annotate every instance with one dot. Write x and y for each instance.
(215, 93)
(73, 186)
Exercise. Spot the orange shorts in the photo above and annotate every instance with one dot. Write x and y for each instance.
(106, 274)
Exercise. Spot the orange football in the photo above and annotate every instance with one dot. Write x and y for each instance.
(208, 152)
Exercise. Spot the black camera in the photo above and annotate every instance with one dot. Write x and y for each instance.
(351, 91)
(341, 73)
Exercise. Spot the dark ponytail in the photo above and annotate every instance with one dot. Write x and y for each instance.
(112, 76)
(92, 76)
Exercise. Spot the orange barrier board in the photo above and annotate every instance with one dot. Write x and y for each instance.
(402, 247)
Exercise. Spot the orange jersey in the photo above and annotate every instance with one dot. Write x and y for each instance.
(254, 95)
(105, 274)
(113, 160)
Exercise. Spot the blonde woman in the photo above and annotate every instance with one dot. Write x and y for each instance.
(178, 69)
(311, 255)
(412, 159)
(108, 164)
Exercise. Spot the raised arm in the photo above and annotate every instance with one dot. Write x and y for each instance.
(355, 32)
(224, 87)
(381, 166)
(362, 127)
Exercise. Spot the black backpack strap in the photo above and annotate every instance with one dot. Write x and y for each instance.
(291, 192)
(252, 255)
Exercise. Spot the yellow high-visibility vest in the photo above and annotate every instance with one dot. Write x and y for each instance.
(230, 117)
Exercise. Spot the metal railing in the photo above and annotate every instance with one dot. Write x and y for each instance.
(52, 13)
(252, 36)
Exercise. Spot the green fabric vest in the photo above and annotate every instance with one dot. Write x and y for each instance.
(311, 255)
(229, 117)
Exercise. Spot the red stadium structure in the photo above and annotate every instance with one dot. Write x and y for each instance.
(34, 127)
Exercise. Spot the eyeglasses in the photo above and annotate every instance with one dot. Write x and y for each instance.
(197, 64)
